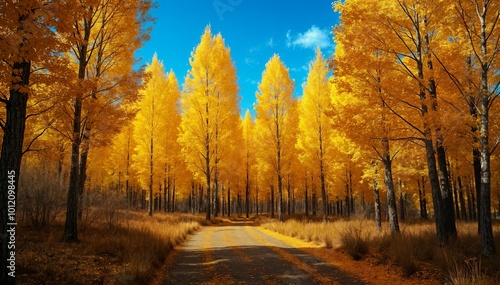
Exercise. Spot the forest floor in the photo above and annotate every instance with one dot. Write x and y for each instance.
(242, 252)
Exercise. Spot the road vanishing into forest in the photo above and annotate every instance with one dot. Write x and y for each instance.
(240, 252)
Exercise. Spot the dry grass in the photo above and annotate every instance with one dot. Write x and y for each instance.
(128, 252)
(412, 250)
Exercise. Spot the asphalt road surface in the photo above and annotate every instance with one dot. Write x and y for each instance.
(241, 253)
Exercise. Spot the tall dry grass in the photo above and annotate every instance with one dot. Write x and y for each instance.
(143, 242)
(414, 248)
(129, 248)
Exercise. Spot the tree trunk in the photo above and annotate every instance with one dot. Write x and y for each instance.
(127, 173)
(461, 198)
(10, 163)
(165, 194)
(476, 156)
(289, 198)
(401, 200)
(229, 201)
(351, 200)
(456, 201)
(306, 198)
(280, 195)
(151, 167)
(70, 227)
(216, 194)
(313, 199)
(247, 190)
(448, 208)
(83, 171)
(272, 201)
(378, 220)
(322, 173)
(173, 196)
(420, 200)
(484, 205)
(193, 198)
(389, 184)
(347, 203)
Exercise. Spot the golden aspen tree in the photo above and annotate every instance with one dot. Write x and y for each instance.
(292, 168)
(209, 112)
(247, 127)
(314, 124)
(274, 100)
(171, 158)
(122, 149)
(149, 124)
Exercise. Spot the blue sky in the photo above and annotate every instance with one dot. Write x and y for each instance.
(253, 29)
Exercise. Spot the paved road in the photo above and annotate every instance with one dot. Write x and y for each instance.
(240, 253)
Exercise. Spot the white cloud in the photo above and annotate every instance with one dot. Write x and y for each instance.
(253, 82)
(288, 39)
(270, 43)
(251, 62)
(312, 38)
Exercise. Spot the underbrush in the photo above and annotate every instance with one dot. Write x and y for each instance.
(127, 251)
(412, 250)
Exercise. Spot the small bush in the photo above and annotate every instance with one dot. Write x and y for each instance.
(404, 252)
(41, 196)
(354, 241)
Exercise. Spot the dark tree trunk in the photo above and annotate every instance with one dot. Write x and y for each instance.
(420, 200)
(313, 200)
(351, 191)
(347, 203)
(448, 207)
(272, 201)
(165, 194)
(247, 192)
(322, 174)
(461, 198)
(389, 184)
(70, 227)
(424, 199)
(401, 200)
(229, 201)
(456, 200)
(216, 194)
(200, 202)
(193, 198)
(83, 172)
(10, 163)
(306, 198)
(173, 196)
(151, 169)
(289, 198)
(378, 220)
(256, 199)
